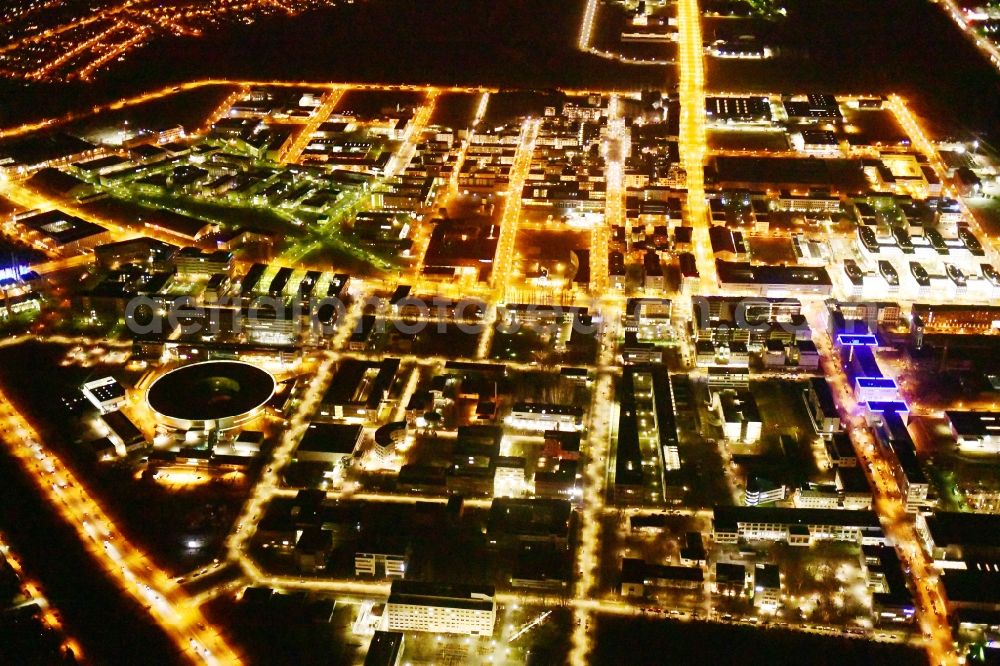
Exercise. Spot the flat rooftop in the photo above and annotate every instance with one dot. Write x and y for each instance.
(444, 595)
(62, 227)
(970, 529)
(336, 438)
(745, 273)
(729, 517)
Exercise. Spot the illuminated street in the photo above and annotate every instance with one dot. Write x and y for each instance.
(652, 342)
(118, 558)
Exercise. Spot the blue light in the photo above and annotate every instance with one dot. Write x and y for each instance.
(876, 382)
(15, 272)
(885, 406)
(856, 340)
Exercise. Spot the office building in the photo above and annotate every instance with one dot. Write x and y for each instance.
(441, 608)
(797, 527)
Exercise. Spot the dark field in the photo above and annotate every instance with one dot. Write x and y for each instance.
(860, 46)
(664, 642)
(516, 43)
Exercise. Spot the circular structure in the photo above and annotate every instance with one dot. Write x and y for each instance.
(212, 395)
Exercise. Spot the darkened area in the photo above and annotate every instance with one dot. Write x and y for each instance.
(111, 628)
(906, 46)
(664, 642)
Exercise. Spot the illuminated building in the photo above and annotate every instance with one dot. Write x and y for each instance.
(955, 318)
(894, 438)
(387, 438)
(359, 388)
(508, 477)
(653, 279)
(734, 354)
(740, 416)
(760, 491)
(840, 450)
(816, 107)
(269, 325)
(764, 280)
(541, 416)
(767, 587)
(822, 408)
(647, 413)
(817, 496)
(147, 251)
(106, 394)
(634, 351)
(381, 555)
(749, 320)
(976, 432)
(123, 432)
(797, 527)
(441, 608)
(650, 319)
(731, 579)
(868, 389)
(853, 488)
(59, 231)
(892, 601)
(192, 261)
(737, 110)
(560, 480)
(958, 536)
(513, 520)
(385, 649)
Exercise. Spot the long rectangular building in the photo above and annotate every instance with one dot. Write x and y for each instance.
(976, 432)
(765, 280)
(647, 411)
(892, 434)
(822, 408)
(952, 535)
(441, 608)
(798, 527)
(359, 388)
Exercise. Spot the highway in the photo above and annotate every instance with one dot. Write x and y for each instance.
(122, 561)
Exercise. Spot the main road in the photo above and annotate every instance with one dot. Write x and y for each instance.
(889, 503)
(123, 562)
(692, 142)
